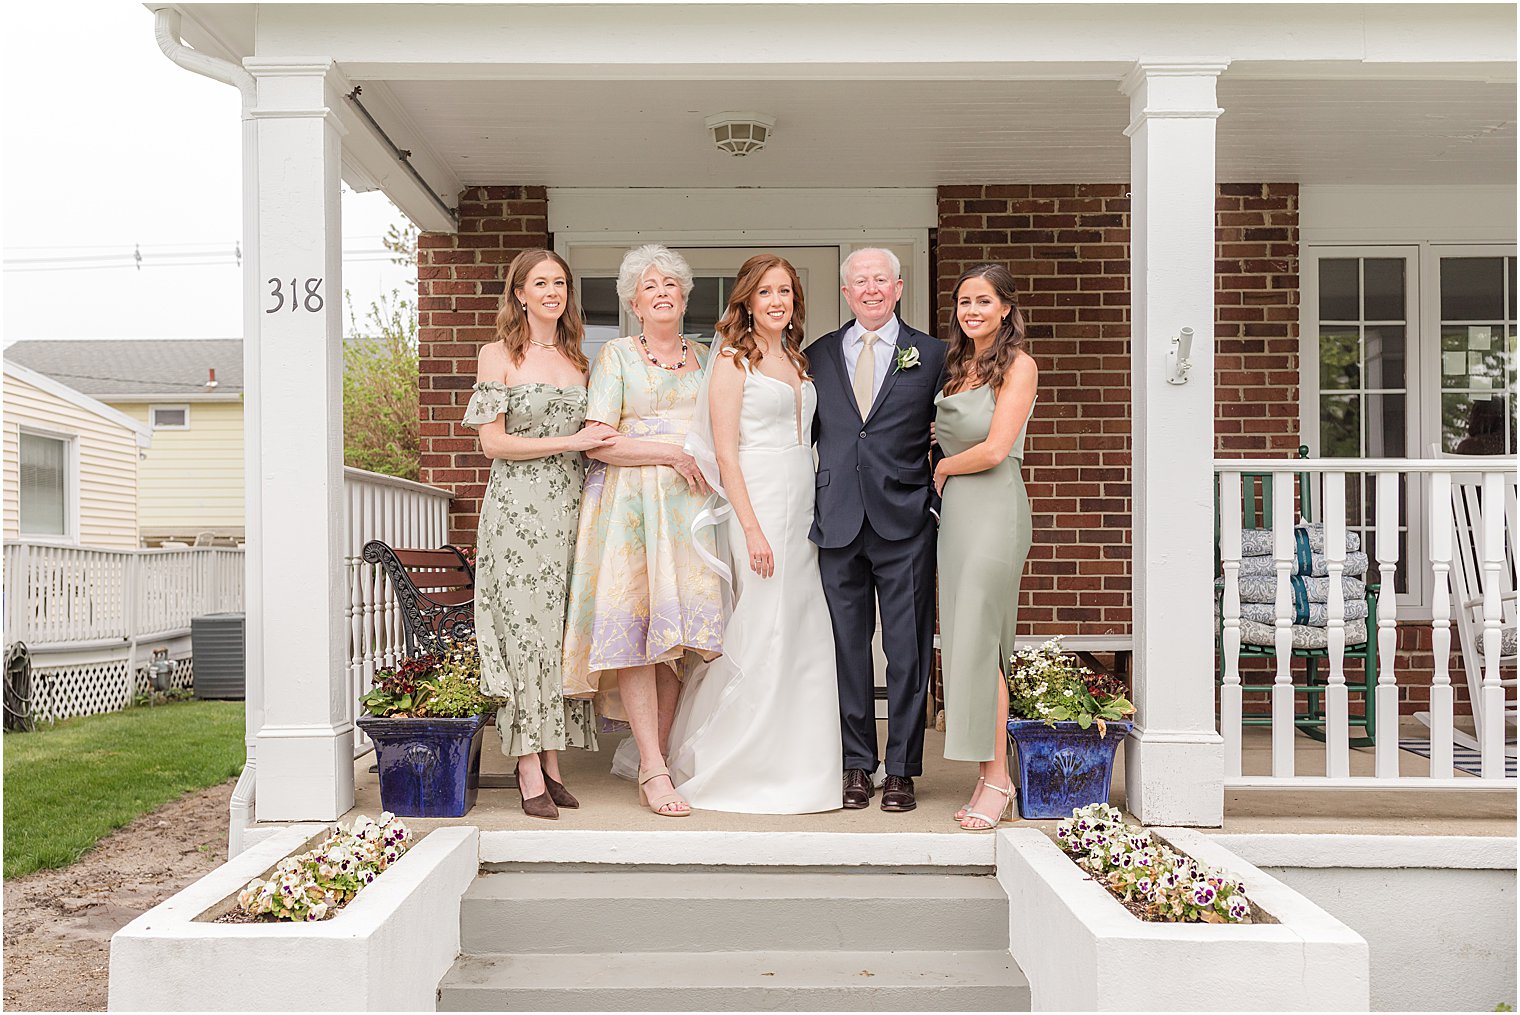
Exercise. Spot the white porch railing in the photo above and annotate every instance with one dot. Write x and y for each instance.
(87, 614)
(90, 616)
(1489, 547)
(401, 513)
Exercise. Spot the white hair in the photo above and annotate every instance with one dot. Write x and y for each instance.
(844, 269)
(638, 261)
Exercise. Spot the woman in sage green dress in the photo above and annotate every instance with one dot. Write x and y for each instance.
(984, 532)
(529, 404)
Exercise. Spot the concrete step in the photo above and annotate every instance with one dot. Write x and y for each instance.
(738, 981)
(707, 911)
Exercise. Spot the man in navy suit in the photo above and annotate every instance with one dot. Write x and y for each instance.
(876, 380)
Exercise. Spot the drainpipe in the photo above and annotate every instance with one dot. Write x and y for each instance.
(166, 26)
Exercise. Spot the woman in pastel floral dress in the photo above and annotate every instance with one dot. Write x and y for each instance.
(529, 404)
(643, 605)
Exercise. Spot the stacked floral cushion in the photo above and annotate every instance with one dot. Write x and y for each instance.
(1309, 588)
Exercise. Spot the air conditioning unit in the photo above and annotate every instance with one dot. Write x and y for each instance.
(216, 642)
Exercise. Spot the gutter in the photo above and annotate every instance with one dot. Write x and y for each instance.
(166, 22)
(166, 29)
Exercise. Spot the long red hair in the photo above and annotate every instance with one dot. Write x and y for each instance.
(737, 328)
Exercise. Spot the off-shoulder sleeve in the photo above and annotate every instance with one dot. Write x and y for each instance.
(604, 389)
(488, 402)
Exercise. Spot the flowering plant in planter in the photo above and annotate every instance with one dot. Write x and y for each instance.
(1050, 685)
(442, 685)
(314, 884)
(1054, 704)
(426, 719)
(1154, 881)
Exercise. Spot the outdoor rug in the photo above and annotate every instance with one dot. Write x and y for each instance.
(1464, 758)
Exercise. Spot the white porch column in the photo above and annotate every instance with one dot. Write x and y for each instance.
(294, 363)
(1174, 759)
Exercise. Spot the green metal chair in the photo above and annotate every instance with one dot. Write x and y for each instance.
(1256, 513)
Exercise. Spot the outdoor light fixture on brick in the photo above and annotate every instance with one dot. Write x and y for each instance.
(740, 133)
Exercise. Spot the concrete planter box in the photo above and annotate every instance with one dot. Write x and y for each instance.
(385, 951)
(1083, 951)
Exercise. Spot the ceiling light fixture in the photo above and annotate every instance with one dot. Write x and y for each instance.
(740, 133)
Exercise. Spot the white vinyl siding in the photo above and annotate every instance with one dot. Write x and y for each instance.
(192, 479)
(104, 465)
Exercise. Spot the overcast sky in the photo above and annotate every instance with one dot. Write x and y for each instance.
(110, 149)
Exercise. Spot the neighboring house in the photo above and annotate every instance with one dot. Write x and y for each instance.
(73, 465)
(189, 393)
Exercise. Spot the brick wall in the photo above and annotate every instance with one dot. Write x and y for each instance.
(459, 286)
(1068, 246)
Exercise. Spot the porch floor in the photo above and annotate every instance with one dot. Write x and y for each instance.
(609, 803)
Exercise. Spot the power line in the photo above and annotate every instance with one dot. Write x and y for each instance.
(138, 259)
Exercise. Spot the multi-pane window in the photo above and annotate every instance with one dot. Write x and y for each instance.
(44, 485)
(1364, 331)
(1477, 371)
(1416, 351)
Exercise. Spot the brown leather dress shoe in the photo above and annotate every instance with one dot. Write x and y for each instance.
(857, 788)
(897, 794)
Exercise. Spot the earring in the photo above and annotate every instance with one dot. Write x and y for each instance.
(525, 306)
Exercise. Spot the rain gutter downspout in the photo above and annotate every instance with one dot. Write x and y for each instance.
(166, 29)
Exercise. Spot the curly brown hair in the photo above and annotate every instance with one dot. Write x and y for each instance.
(512, 321)
(736, 329)
(962, 364)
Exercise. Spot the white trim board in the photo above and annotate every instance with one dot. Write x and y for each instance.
(1380, 215)
(758, 849)
(1439, 852)
(780, 211)
(80, 399)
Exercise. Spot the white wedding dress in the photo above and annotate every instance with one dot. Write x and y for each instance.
(757, 730)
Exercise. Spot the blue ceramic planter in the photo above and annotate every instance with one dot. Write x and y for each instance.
(1063, 767)
(429, 768)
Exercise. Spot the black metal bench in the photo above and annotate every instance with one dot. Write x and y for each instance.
(436, 591)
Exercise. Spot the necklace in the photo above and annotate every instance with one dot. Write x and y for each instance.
(541, 345)
(685, 349)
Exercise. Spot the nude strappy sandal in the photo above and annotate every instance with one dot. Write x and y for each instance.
(659, 803)
(960, 815)
(992, 823)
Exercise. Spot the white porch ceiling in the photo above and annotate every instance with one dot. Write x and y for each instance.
(609, 133)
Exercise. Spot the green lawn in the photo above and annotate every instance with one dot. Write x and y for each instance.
(69, 785)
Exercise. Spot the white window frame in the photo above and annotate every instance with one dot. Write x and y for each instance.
(1422, 371)
(1430, 358)
(70, 537)
(153, 416)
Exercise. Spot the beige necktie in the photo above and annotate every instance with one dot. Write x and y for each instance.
(865, 374)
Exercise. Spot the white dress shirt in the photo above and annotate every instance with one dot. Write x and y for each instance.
(885, 350)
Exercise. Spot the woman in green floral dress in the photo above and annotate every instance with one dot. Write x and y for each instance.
(529, 404)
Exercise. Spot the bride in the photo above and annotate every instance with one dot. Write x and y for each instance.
(758, 731)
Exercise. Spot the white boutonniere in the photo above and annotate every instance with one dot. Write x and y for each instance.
(907, 358)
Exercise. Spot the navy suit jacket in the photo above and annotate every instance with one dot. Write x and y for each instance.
(878, 467)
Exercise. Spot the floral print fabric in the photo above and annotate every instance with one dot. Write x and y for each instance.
(639, 592)
(525, 546)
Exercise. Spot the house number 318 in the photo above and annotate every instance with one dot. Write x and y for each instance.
(311, 302)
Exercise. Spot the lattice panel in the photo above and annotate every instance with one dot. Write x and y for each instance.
(182, 676)
(65, 691)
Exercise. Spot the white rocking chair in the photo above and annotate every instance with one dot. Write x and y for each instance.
(1467, 578)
